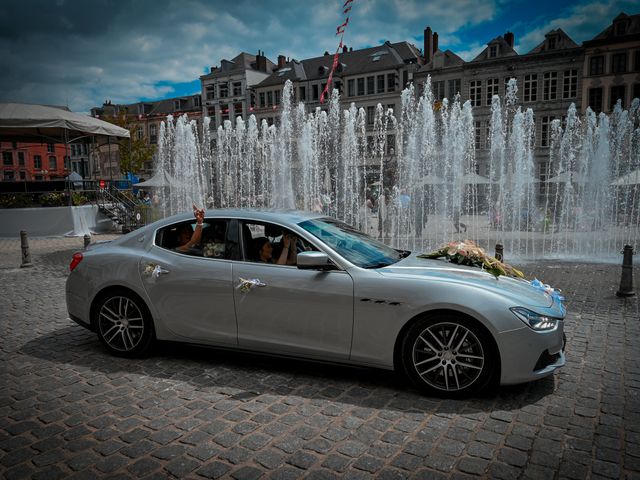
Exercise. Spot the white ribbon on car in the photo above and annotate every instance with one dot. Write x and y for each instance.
(247, 284)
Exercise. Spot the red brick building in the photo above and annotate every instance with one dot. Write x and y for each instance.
(34, 161)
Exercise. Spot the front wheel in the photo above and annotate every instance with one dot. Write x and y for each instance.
(448, 355)
(123, 324)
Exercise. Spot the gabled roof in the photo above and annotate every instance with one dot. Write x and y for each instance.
(386, 56)
(610, 34)
(443, 60)
(562, 42)
(504, 50)
(240, 63)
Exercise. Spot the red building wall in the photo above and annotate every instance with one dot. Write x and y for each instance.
(33, 161)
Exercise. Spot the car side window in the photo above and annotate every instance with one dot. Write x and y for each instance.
(213, 241)
(265, 242)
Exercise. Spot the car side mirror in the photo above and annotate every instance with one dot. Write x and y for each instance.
(314, 261)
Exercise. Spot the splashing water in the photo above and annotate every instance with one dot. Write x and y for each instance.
(421, 168)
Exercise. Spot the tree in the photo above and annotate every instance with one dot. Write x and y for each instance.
(133, 152)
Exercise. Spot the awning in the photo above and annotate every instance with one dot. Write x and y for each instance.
(160, 179)
(631, 178)
(23, 122)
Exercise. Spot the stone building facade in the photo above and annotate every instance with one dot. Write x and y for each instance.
(227, 90)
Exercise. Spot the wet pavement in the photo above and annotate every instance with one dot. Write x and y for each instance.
(70, 410)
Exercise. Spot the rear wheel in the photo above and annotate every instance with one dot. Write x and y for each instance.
(448, 355)
(123, 324)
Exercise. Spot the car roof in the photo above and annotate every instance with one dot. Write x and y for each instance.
(267, 215)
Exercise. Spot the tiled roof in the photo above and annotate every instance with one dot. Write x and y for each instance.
(504, 50)
(382, 57)
(564, 42)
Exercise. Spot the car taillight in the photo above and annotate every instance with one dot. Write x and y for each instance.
(77, 258)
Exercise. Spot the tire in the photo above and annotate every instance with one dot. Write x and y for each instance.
(123, 323)
(448, 355)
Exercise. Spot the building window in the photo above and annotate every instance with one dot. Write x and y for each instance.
(454, 87)
(621, 28)
(237, 109)
(371, 85)
(176, 104)
(619, 62)
(21, 159)
(475, 93)
(361, 86)
(237, 89)
(531, 87)
(302, 93)
(211, 92)
(223, 88)
(53, 163)
(67, 162)
(23, 175)
(351, 87)
(8, 175)
(617, 93)
(492, 88)
(478, 134)
(493, 51)
(371, 115)
(550, 91)
(7, 159)
(314, 92)
(37, 162)
(570, 84)
(545, 130)
(153, 133)
(405, 78)
(262, 99)
(595, 99)
(276, 97)
(596, 65)
(196, 101)
(270, 97)
(380, 84)
(391, 82)
(438, 90)
(51, 148)
(391, 144)
(551, 43)
(139, 132)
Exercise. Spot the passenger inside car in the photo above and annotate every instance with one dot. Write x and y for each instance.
(189, 237)
(263, 250)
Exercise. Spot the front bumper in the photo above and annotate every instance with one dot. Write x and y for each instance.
(527, 355)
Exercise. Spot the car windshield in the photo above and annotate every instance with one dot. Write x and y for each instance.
(355, 246)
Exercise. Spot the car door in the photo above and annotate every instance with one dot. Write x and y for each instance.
(193, 294)
(286, 310)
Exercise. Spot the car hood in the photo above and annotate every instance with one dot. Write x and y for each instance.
(520, 291)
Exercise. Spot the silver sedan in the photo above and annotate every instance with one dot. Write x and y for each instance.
(305, 285)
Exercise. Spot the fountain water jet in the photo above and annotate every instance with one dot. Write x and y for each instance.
(423, 164)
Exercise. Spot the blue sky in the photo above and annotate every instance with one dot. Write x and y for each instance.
(79, 53)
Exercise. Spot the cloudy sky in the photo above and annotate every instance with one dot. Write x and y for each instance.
(80, 52)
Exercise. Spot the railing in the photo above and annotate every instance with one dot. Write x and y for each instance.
(122, 207)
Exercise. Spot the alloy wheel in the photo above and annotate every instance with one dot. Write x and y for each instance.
(121, 323)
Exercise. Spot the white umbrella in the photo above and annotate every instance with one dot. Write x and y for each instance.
(431, 180)
(566, 177)
(475, 179)
(631, 178)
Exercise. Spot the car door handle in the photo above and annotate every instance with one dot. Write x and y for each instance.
(163, 271)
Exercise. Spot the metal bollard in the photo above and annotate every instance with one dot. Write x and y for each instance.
(24, 245)
(626, 279)
(499, 252)
(87, 240)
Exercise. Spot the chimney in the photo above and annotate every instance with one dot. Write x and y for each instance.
(435, 42)
(281, 61)
(428, 44)
(345, 49)
(509, 38)
(261, 62)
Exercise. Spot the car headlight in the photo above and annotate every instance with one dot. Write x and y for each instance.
(534, 320)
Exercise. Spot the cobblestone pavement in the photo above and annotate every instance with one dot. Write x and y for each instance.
(69, 410)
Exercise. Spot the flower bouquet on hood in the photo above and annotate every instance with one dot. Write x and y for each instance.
(468, 253)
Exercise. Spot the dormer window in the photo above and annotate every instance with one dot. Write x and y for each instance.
(551, 43)
(176, 104)
(493, 51)
(620, 28)
(375, 56)
(322, 70)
